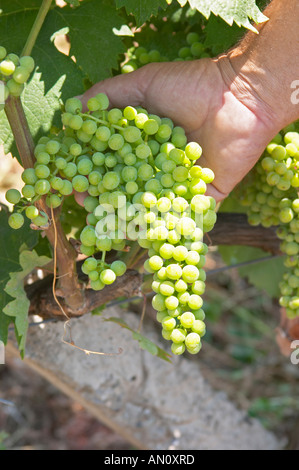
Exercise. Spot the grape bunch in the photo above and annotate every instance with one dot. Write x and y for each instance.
(14, 73)
(272, 199)
(192, 49)
(140, 182)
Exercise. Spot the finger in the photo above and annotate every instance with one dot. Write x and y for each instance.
(122, 90)
(217, 195)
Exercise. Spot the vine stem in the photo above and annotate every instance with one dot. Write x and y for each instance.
(37, 25)
(69, 285)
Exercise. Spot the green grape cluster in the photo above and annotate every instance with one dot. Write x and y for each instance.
(272, 200)
(192, 49)
(14, 73)
(140, 183)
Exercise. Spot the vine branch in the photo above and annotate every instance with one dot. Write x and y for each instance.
(37, 25)
(66, 254)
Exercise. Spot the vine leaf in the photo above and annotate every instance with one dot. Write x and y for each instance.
(93, 43)
(265, 275)
(18, 307)
(144, 342)
(140, 9)
(11, 242)
(238, 11)
(16, 21)
(41, 110)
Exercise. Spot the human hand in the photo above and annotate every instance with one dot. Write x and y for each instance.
(230, 123)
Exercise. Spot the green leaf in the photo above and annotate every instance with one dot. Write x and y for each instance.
(93, 42)
(238, 11)
(265, 275)
(220, 34)
(142, 10)
(15, 24)
(18, 308)
(144, 342)
(11, 241)
(41, 110)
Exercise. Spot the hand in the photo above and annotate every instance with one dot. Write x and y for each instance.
(197, 96)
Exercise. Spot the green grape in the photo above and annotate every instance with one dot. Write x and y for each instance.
(187, 319)
(28, 191)
(42, 171)
(53, 200)
(80, 183)
(41, 220)
(84, 166)
(67, 188)
(89, 127)
(21, 75)
(28, 63)
(7, 67)
(193, 151)
(178, 348)
(119, 267)
(3, 52)
(31, 212)
(13, 196)
(16, 220)
(15, 89)
(88, 236)
(192, 340)
(42, 187)
(107, 276)
(131, 134)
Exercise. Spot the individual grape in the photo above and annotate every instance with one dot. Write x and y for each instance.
(16, 220)
(85, 166)
(13, 196)
(28, 63)
(192, 340)
(28, 191)
(119, 267)
(7, 67)
(88, 236)
(193, 151)
(67, 188)
(111, 180)
(178, 348)
(80, 183)
(187, 319)
(53, 200)
(168, 323)
(21, 75)
(73, 105)
(31, 212)
(42, 187)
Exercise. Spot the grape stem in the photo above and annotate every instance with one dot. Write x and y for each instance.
(101, 121)
(37, 25)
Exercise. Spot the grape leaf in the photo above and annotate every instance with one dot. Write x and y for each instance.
(140, 9)
(19, 306)
(265, 275)
(15, 25)
(220, 34)
(238, 11)
(93, 43)
(11, 242)
(41, 110)
(144, 342)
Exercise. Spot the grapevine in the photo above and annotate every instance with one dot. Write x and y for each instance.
(140, 183)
